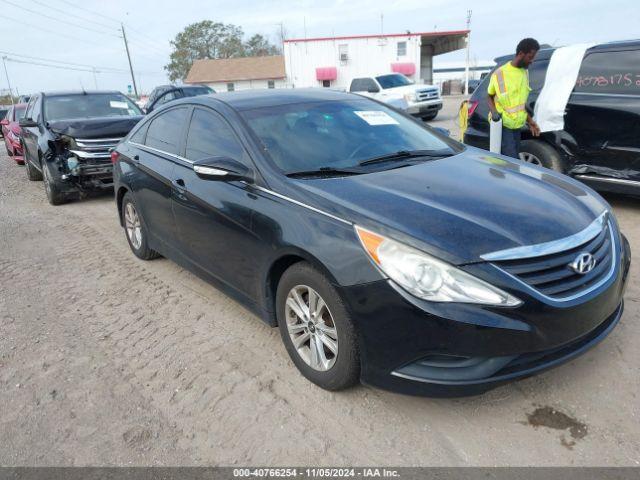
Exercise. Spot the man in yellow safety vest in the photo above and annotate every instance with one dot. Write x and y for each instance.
(508, 92)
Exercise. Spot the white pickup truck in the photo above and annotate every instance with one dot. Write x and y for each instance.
(395, 89)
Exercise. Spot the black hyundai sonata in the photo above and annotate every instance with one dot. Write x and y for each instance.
(384, 251)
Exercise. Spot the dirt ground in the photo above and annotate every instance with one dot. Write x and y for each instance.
(109, 360)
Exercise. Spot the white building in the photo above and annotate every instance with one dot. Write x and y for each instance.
(229, 74)
(334, 61)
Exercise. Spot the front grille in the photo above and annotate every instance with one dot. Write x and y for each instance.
(95, 148)
(551, 274)
(428, 94)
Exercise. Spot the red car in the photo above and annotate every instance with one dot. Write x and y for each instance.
(11, 131)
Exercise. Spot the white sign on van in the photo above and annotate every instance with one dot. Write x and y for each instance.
(376, 117)
(116, 104)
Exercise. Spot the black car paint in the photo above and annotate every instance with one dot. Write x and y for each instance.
(601, 137)
(242, 235)
(159, 93)
(43, 147)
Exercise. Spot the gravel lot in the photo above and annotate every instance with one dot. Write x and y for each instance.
(109, 360)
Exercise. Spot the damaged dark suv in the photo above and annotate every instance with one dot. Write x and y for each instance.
(67, 139)
(600, 142)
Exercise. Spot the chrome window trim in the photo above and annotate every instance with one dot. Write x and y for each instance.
(605, 279)
(257, 187)
(608, 179)
(155, 150)
(554, 246)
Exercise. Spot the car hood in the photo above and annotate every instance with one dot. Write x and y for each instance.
(461, 207)
(95, 127)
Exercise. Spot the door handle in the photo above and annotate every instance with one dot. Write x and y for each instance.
(179, 185)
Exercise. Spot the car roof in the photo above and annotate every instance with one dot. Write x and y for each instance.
(60, 93)
(545, 53)
(259, 98)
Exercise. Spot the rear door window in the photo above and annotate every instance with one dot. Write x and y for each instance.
(610, 72)
(165, 130)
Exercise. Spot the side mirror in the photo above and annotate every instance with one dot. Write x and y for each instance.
(222, 169)
(4, 121)
(27, 122)
(373, 89)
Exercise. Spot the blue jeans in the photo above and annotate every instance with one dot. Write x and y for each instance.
(510, 145)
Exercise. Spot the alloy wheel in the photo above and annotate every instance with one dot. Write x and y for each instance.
(132, 226)
(311, 328)
(530, 158)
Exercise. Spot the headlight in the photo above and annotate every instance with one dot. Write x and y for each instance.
(410, 97)
(427, 277)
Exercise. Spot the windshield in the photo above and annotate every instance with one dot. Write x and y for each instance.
(195, 91)
(336, 134)
(18, 113)
(90, 105)
(393, 80)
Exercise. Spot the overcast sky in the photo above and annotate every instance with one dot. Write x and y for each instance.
(85, 32)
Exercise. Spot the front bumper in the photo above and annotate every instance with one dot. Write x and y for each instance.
(424, 108)
(437, 349)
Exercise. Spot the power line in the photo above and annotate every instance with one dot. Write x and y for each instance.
(108, 27)
(59, 20)
(103, 16)
(22, 22)
(63, 62)
(91, 69)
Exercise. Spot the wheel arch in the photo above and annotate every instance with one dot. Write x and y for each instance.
(274, 273)
(119, 198)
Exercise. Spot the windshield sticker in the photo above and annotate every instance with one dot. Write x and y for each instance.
(115, 104)
(376, 117)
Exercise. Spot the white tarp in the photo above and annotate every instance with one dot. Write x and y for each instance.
(562, 74)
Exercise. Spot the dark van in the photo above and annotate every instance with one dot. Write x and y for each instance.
(600, 144)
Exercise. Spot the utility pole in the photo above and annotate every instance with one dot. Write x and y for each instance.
(466, 68)
(126, 46)
(95, 78)
(4, 58)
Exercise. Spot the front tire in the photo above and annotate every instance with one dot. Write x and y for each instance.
(54, 195)
(135, 230)
(316, 328)
(540, 153)
(32, 174)
(431, 116)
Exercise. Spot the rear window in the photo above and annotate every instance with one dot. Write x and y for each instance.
(194, 92)
(610, 72)
(66, 107)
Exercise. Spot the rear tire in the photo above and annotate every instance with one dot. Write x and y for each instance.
(135, 230)
(540, 153)
(6, 145)
(326, 348)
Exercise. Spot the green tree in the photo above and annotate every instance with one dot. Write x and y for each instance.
(202, 40)
(209, 39)
(259, 46)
